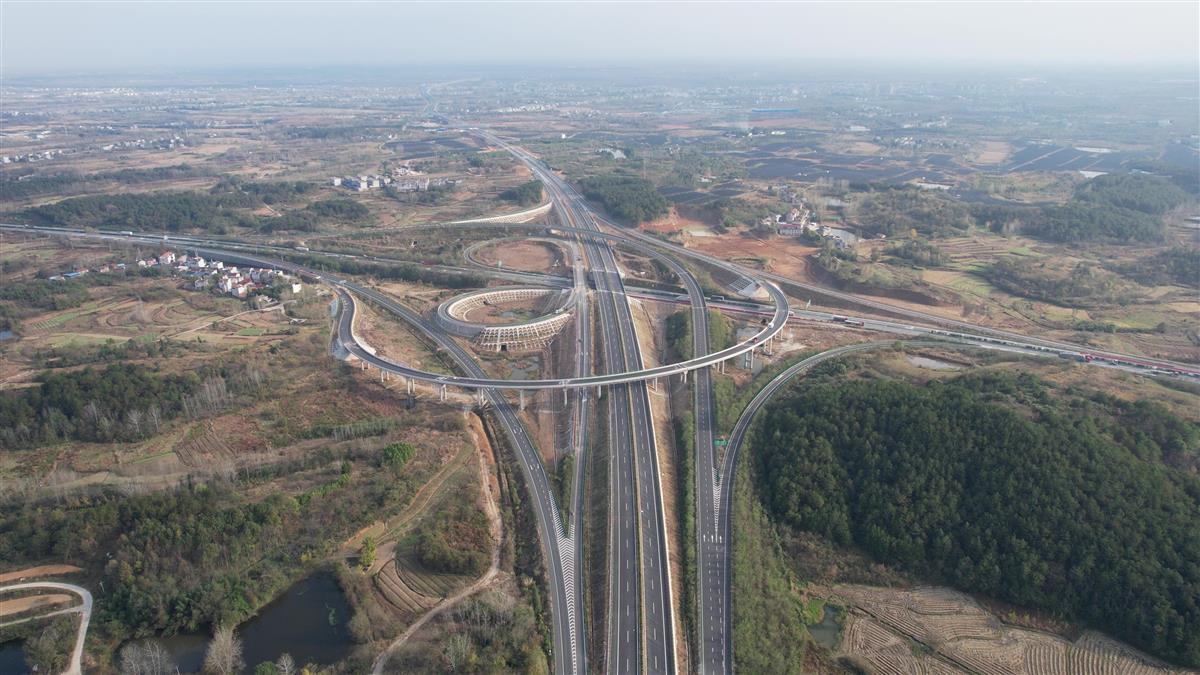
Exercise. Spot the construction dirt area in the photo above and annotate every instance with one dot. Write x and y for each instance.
(939, 630)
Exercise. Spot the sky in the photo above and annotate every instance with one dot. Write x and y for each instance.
(72, 38)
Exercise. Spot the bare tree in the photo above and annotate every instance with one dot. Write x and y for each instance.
(148, 659)
(224, 655)
(458, 650)
(285, 665)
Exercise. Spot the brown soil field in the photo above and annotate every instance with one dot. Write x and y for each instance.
(39, 571)
(783, 255)
(992, 152)
(958, 635)
(674, 222)
(34, 602)
(526, 256)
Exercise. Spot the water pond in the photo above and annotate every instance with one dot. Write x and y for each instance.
(309, 621)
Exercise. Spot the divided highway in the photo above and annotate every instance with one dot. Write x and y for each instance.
(641, 617)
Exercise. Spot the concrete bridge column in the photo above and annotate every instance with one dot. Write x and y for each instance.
(442, 393)
(521, 397)
(479, 397)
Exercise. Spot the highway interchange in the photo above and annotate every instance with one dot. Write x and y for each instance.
(641, 631)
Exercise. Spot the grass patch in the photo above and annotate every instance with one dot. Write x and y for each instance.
(251, 332)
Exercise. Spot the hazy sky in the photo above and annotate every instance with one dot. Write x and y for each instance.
(59, 38)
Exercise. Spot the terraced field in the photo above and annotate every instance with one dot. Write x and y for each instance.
(417, 577)
(399, 594)
(938, 630)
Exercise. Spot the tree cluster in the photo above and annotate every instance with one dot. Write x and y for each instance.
(121, 402)
(488, 634)
(1084, 285)
(455, 541)
(525, 194)
(1119, 208)
(1177, 265)
(993, 485)
(401, 271)
(896, 211)
(226, 206)
(918, 252)
(628, 198)
(14, 186)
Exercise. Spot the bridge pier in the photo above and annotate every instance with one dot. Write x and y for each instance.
(442, 393)
(685, 373)
(479, 397)
(521, 397)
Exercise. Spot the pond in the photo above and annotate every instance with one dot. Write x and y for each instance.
(826, 632)
(309, 621)
(12, 658)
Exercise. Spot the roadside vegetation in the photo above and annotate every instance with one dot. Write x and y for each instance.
(769, 634)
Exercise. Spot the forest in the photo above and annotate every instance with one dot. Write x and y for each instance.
(628, 198)
(996, 484)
